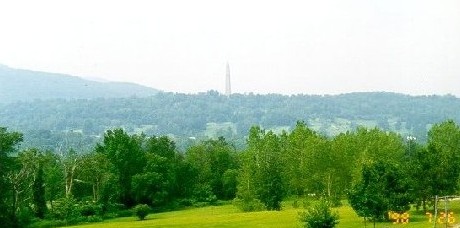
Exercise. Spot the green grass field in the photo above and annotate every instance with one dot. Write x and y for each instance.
(229, 216)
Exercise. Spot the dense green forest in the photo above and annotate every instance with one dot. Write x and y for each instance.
(376, 170)
(49, 124)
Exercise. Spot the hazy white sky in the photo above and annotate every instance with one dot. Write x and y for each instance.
(289, 47)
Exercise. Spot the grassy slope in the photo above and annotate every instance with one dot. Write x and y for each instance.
(229, 216)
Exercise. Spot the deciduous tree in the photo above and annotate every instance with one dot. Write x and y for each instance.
(261, 173)
(8, 145)
(127, 159)
(382, 187)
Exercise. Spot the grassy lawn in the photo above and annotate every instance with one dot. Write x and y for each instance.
(229, 216)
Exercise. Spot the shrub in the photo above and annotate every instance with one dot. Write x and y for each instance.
(335, 201)
(25, 216)
(201, 204)
(65, 209)
(306, 203)
(112, 207)
(319, 216)
(141, 211)
(110, 215)
(186, 202)
(47, 224)
(295, 203)
(94, 218)
(203, 193)
(249, 205)
(124, 213)
(90, 209)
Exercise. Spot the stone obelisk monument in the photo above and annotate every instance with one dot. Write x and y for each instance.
(228, 87)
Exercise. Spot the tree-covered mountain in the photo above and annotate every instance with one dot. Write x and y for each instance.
(26, 85)
(208, 115)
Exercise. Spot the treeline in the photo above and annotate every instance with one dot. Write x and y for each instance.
(376, 170)
(183, 116)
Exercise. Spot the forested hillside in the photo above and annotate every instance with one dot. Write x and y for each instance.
(25, 85)
(48, 123)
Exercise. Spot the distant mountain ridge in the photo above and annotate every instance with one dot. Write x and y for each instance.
(189, 117)
(27, 85)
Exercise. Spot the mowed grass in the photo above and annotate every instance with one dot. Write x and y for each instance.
(229, 216)
(211, 216)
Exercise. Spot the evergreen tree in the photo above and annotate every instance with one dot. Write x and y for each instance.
(39, 193)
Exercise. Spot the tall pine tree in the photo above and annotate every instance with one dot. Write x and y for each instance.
(39, 193)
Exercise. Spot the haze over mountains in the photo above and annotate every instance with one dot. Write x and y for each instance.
(55, 108)
(27, 85)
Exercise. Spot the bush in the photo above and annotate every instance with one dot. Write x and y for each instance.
(65, 209)
(90, 209)
(295, 204)
(110, 215)
(141, 211)
(47, 224)
(112, 207)
(319, 216)
(203, 193)
(306, 203)
(25, 216)
(186, 202)
(335, 201)
(201, 204)
(249, 205)
(71, 212)
(94, 218)
(124, 213)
